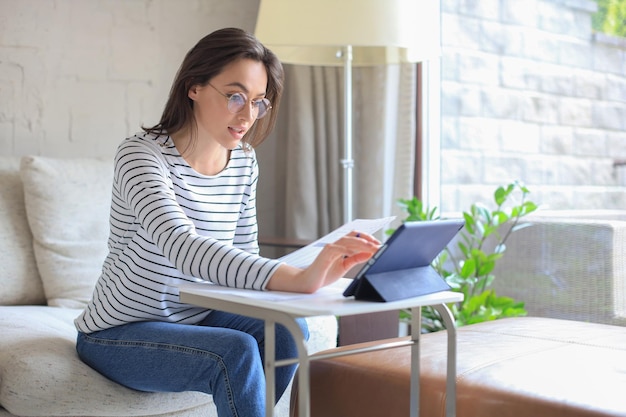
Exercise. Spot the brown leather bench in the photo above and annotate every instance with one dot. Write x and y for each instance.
(518, 367)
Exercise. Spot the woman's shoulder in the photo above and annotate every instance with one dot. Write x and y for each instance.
(147, 140)
(142, 148)
(158, 146)
(243, 156)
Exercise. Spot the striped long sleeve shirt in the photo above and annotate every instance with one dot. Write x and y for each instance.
(168, 225)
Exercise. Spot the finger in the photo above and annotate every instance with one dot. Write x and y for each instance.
(345, 253)
(348, 258)
(351, 245)
(365, 236)
(334, 261)
(343, 256)
(349, 261)
(333, 252)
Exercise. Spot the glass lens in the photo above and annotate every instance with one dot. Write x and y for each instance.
(263, 105)
(236, 102)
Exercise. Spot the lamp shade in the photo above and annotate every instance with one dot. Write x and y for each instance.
(309, 32)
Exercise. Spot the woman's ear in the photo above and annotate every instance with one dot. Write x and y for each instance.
(193, 92)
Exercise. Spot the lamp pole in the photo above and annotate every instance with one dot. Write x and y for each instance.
(377, 32)
(348, 161)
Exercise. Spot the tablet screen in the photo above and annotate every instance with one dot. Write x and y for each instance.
(412, 245)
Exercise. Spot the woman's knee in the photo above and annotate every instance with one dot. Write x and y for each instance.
(304, 326)
(285, 344)
(242, 345)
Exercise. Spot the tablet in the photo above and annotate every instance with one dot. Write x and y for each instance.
(406, 257)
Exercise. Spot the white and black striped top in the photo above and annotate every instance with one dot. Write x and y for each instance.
(170, 224)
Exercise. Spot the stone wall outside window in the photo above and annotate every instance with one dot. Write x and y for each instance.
(529, 92)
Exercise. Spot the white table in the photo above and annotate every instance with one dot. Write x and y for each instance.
(284, 308)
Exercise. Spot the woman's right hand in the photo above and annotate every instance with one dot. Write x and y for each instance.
(333, 262)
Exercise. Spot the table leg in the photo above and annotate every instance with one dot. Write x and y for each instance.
(304, 381)
(416, 327)
(448, 320)
(270, 367)
(304, 393)
(271, 363)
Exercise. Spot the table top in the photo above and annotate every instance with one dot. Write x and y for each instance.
(326, 301)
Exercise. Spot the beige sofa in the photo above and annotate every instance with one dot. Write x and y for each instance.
(53, 231)
(569, 264)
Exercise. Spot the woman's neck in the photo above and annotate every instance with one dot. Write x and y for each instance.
(204, 156)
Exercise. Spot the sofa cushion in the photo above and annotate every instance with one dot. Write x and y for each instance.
(19, 279)
(67, 206)
(41, 374)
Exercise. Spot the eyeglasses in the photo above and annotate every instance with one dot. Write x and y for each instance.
(237, 101)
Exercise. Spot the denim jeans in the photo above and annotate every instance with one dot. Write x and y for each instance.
(222, 356)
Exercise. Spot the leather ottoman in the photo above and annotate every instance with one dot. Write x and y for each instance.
(514, 367)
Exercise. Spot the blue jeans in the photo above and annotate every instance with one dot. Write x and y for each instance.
(222, 356)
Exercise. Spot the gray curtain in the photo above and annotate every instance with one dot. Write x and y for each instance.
(301, 188)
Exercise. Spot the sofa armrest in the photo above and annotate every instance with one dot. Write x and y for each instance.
(569, 265)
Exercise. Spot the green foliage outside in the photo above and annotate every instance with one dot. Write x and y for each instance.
(610, 17)
(467, 264)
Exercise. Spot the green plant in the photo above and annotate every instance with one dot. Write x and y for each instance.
(610, 17)
(467, 264)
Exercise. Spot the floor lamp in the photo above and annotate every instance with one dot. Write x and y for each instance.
(349, 33)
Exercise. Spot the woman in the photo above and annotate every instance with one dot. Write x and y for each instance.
(183, 210)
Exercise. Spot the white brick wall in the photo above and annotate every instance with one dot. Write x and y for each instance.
(77, 76)
(527, 91)
(530, 93)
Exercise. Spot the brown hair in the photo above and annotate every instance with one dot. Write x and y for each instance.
(206, 60)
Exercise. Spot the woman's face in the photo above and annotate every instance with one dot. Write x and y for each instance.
(214, 120)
